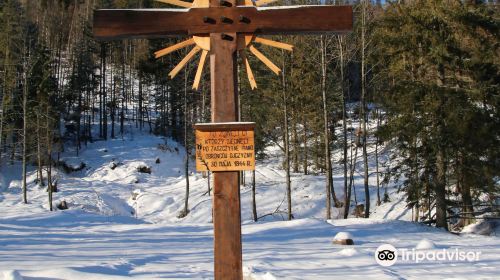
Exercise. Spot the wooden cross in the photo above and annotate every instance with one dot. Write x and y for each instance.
(223, 28)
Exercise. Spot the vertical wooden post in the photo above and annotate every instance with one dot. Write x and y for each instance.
(226, 199)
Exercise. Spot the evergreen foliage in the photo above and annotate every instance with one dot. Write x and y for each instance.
(427, 71)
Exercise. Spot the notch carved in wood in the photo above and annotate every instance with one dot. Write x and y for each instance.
(244, 19)
(208, 20)
(224, 3)
(226, 37)
(226, 19)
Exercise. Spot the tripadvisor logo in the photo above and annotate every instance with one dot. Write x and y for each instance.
(387, 255)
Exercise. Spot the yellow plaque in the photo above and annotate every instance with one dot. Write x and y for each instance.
(225, 146)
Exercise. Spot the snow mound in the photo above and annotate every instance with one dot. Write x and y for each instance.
(484, 227)
(343, 236)
(425, 244)
(348, 252)
(12, 275)
(268, 276)
(112, 206)
(249, 273)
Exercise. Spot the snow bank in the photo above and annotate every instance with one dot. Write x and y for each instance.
(99, 238)
(249, 273)
(12, 275)
(483, 227)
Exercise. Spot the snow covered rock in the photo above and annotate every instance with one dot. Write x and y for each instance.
(12, 275)
(70, 165)
(144, 169)
(63, 205)
(113, 165)
(343, 238)
(425, 244)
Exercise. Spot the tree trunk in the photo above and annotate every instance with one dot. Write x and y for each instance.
(465, 191)
(208, 183)
(104, 96)
(254, 203)
(295, 141)
(2, 110)
(113, 108)
(329, 175)
(364, 114)
(351, 175)
(286, 143)
(440, 179)
(186, 143)
(49, 156)
(39, 150)
(347, 192)
(468, 207)
(376, 160)
(140, 112)
(123, 97)
(5, 89)
(440, 185)
(101, 92)
(25, 134)
(78, 124)
(305, 163)
(149, 120)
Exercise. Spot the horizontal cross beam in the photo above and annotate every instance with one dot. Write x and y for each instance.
(158, 23)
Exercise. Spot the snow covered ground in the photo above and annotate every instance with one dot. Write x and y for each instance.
(123, 224)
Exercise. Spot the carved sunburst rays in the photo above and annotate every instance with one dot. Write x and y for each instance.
(202, 43)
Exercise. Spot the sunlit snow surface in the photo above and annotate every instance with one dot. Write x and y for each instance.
(101, 238)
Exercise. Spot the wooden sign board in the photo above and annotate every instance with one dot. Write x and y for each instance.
(225, 146)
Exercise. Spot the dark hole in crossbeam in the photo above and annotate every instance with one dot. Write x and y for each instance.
(225, 3)
(244, 19)
(208, 20)
(226, 37)
(226, 19)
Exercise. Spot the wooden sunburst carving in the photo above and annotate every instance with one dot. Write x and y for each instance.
(202, 43)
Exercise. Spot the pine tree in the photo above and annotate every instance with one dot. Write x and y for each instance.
(431, 55)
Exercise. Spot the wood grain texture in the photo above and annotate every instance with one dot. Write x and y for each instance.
(260, 3)
(173, 48)
(226, 199)
(265, 60)
(273, 43)
(224, 126)
(225, 150)
(251, 78)
(227, 226)
(199, 71)
(223, 78)
(155, 23)
(183, 62)
(177, 3)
